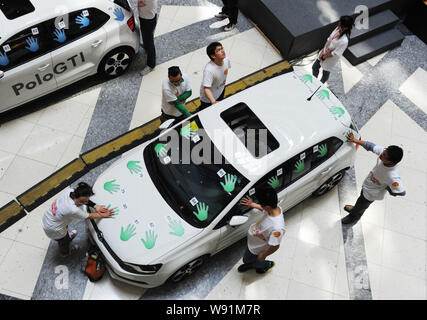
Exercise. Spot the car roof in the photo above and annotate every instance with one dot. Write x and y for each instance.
(281, 105)
(44, 10)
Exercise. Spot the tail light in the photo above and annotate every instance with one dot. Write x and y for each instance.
(131, 23)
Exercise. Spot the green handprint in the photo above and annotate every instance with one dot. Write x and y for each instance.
(150, 239)
(305, 78)
(337, 111)
(273, 182)
(323, 150)
(161, 149)
(230, 182)
(202, 211)
(134, 167)
(177, 228)
(116, 211)
(111, 187)
(322, 94)
(187, 132)
(128, 233)
(299, 166)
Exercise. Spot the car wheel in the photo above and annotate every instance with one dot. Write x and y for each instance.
(116, 62)
(329, 184)
(187, 270)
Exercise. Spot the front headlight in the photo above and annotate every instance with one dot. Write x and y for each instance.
(141, 269)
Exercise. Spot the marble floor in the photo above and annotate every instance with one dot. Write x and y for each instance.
(311, 263)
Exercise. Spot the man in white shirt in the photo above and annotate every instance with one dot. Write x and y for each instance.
(147, 10)
(68, 207)
(264, 237)
(383, 177)
(176, 89)
(214, 76)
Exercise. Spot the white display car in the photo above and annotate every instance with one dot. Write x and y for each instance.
(174, 211)
(46, 45)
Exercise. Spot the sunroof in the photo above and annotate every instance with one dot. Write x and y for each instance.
(13, 9)
(250, 130)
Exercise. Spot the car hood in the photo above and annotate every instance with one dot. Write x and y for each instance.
(146, 227)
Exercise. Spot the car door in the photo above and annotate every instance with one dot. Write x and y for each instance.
(309, 169)
(80, 43)
(26, 62)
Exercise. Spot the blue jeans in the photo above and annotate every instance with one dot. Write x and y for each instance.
(252, 260)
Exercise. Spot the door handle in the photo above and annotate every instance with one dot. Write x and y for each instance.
(326, 171)
(96, 43)
(43, 68)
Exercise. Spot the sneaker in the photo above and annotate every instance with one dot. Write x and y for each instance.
(348, 208)
(270, 265)
(72, 234)
(350, 219)
(244, 267)
(73, 249)
(221, 15)
(229, 27)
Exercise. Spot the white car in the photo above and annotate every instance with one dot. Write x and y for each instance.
(46, 45)
(174, 212)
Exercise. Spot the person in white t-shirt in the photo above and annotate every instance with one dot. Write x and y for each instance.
(214, 76)
(383, 177)
(176, 89)
(264, 237)
(334, 48)
(68, 207)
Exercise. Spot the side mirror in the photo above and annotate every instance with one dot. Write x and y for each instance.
(166, 124)
(238, 220)
(1, 74)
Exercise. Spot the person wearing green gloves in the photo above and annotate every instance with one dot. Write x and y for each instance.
(175, 91)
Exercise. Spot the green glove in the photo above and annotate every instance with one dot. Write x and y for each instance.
(178, 104)
(202, 211)
(323, 150)
(299, 166)
(134, 167)
(273, 182)
(111, 187)
(150, 239)
(230, 183)
(177, 228)
(161, 149)
(128, 233)
(185, 95)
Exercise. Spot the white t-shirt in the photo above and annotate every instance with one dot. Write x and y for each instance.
(336, 46)
(170, 93)
(267, 232)
(147, 9)
(375, 184)
(214, 77)
(61, 213)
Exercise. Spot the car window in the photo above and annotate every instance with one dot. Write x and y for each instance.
(65, 29)
(16, 8)
(324, 150)
(24, 46)
(300, 165)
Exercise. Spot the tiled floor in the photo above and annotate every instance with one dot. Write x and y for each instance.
(311, 261)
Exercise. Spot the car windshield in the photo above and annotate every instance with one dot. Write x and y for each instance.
(191, 174)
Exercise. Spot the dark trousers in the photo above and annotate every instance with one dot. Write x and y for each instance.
(316, 68)
(147, 32)
(165, 117)
(64, 244)
(360, 207)
(204, 105)
(231, 10)
(253, 262)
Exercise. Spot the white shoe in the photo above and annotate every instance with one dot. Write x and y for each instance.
(229, 27)
(72, 234)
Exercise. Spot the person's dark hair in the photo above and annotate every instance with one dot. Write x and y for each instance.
(267, 197)
(394, 154)
(348, 23)
(82, 190)
(174, 71)
(210, 50)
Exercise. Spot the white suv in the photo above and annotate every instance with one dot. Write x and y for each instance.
(46, 45)
(174, 210)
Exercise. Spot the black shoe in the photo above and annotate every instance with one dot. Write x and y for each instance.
(221, 15)
(350, 219)
(244, 267)
(229, 27)
(270, 265)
